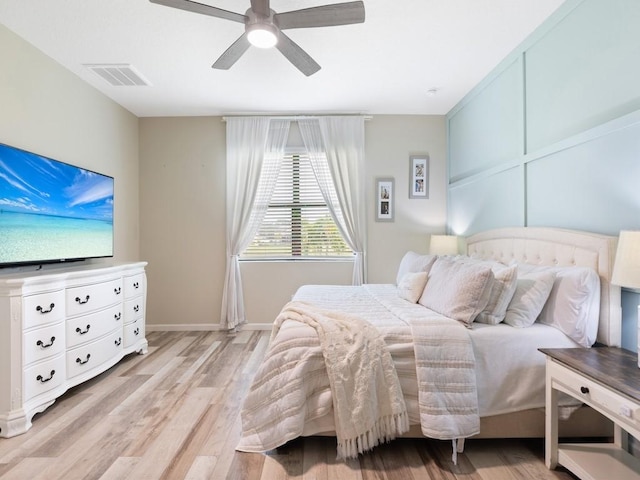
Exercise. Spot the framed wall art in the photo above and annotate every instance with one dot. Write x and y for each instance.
(384, 199)
(419, 176)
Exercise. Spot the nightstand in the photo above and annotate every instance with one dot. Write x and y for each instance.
(608, 380)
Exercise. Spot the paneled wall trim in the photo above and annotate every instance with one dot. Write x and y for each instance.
(551, 137)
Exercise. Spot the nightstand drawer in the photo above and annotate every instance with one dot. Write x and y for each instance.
(618, 408)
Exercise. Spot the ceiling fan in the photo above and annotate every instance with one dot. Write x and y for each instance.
(263, 27)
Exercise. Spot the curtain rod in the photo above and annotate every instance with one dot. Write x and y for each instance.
(296, 117)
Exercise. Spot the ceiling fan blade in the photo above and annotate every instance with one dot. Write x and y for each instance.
(261, 8)
(323, 16)
(232, 54)
(196, 7)
(296, 55)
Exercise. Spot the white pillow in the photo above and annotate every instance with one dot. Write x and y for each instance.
(573, 306)
(504, 286)
(414, 262)
(411, 286)
(531, 293)
(458, 290)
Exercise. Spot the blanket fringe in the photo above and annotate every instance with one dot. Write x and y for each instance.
(384, 430)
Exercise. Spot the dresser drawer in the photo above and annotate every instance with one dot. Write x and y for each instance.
(43, 308)
(43, 342)
(133, 332)
(43, 377)
(619, 408)
(89, 356)
(89, 298)
(90, 327)
(134, 285)
(133, 309)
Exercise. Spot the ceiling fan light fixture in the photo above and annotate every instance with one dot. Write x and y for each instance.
(262, 35)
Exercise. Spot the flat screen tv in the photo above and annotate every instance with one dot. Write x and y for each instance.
(51, 211)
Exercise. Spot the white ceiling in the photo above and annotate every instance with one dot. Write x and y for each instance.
(385, 66)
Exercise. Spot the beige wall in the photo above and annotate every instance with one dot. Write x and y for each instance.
(182, 218)
(46, 109)
(182, 165)
(170, 206)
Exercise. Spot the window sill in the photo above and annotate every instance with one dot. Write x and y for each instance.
(297, 260)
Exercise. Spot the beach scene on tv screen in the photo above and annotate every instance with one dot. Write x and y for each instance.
(50, 210)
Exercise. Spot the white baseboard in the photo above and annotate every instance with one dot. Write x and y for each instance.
(199, 327)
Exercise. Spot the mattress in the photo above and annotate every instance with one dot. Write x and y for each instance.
(510, 371)
(509, 368)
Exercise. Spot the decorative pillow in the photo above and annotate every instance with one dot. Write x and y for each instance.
(504, 286)
(456, 289)
(411, 286)
(414, 262)
(532, 291)
(573, 306)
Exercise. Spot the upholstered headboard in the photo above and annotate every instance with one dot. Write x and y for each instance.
(559, 247)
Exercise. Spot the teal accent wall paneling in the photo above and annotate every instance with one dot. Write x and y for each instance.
(584, 72)
(492, 202)
(551, 137)
(488, 131)
(591, 186)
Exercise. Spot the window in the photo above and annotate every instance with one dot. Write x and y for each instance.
(297, 223)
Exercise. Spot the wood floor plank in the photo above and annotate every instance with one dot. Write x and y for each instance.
(120, 468)
(173, 434)
(27, 468)
(174, 413)
(202, 468)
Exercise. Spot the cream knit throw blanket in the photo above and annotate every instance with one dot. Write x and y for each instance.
(368, 403)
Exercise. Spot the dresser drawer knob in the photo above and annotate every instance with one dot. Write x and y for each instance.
(82, 332)
(117, 316)
(136, 285)
(82, 362)
(136, 308)
(40, 344)
(82, 302)
(136, 332)
(584, 390)
(43, 311)
(117, 290)
(45, 380)
(118, 341)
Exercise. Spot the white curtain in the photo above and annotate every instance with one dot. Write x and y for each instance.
(341, 141)
(255, 147)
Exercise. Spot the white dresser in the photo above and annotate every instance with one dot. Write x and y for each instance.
(61, 327)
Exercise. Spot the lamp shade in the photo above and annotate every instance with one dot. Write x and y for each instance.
(443, 245)
(626, 269)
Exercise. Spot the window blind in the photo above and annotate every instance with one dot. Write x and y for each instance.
(297, 223)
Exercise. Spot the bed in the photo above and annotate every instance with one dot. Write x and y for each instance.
(292, 395)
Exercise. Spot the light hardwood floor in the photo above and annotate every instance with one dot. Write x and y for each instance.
(175, 414)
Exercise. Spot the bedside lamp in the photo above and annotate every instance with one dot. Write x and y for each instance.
(626, 269)
(443, 245)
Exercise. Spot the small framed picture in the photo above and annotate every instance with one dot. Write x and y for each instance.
(419, 176)
(384, 199)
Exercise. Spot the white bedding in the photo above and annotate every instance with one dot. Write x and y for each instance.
(509, 369)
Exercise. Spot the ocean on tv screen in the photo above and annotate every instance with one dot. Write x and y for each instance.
(50, 210)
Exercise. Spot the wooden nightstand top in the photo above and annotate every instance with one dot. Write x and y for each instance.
(613, 367)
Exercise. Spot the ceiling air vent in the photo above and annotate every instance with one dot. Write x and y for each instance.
(119, 75)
